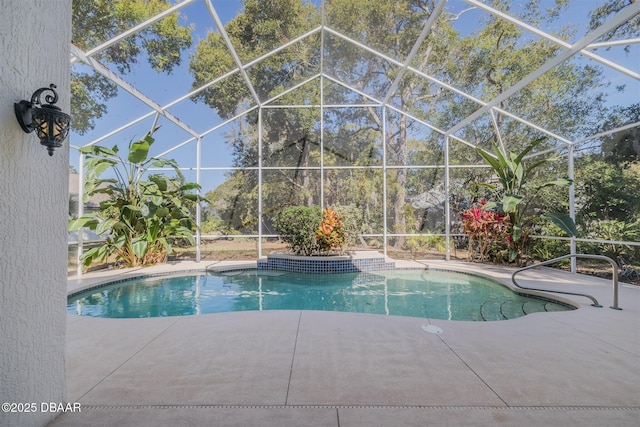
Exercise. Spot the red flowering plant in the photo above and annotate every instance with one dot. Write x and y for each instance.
(331, 235)
(485, 228)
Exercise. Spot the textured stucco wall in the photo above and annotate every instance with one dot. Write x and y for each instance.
(34, 52)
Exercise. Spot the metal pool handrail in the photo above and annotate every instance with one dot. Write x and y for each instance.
(587, 256)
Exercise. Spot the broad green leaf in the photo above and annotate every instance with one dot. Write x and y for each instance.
(149, 189)
(502, 160)
(107, 181)
(160, 181)
(530, 147)
(165, 244)
(105, 226)
(186, 233)
(106, 204)
(120, 241)
(95, 254)
(160, 163)
(517, 233)
(519, 175)
(510, 202)
(89, 256)
(96, 166)
(100, 186)
(189, 186)
(564, 222)
(120, 226)
(192, 197)
(154, 231)
(139, 150)
(84, 221)
(513, 254)
(536, 165)
(489, 158)
(98, 150)
(489, 205)
(139, 247)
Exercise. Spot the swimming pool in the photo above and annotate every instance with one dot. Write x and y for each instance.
(418, 293)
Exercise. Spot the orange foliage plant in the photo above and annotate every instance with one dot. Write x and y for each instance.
(330, 234)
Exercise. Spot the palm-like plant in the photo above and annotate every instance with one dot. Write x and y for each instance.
(141, 212)
(514, 196)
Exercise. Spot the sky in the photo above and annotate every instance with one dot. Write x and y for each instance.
(164, 89)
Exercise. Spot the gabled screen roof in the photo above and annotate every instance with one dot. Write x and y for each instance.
(460, 68)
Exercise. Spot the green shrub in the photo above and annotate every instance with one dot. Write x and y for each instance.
(297, 227)
(423, 243)
(545, 249)
(614, 230)
(300, 227)
(353, 222)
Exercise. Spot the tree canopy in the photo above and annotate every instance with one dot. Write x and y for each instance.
(96, 22)
(485, 64)
(382, 105)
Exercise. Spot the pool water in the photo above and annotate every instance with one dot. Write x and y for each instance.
(419, 293)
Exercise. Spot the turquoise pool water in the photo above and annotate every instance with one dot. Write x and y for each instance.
(429, 294)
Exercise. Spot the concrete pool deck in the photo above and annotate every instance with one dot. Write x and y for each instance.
(308, 368)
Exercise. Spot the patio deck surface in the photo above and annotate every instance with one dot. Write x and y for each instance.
(310, 368)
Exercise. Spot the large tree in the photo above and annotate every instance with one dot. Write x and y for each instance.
(484, 63)
(97, 21)
(290, 136)
(391, 28)
(567, 100)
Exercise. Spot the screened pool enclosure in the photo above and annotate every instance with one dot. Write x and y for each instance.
(378, 106)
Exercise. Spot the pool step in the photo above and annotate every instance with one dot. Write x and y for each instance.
(490, 310)
(512, 309)
(552, 306)
(533, 306)
(507, 309)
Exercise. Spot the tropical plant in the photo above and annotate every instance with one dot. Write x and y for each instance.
(514, 197)
(330, 234)
(141, 212)
(484, 228)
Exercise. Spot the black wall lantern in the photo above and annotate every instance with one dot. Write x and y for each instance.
(49, 122)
